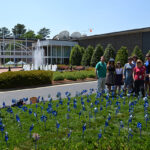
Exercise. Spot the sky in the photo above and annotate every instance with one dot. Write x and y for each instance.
(102, 16)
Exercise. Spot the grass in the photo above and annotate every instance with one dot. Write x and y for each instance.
(19, 137)
(76, 74)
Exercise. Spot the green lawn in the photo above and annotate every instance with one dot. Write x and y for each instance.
(19, 136)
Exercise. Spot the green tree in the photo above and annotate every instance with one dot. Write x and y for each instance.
(109, 52)
(137, 51)
(76, 55)
(98, 52)
(19, 30)
(44, 32)
(29, 34)
(4, 32)
(122, 55)
(86, 59)
(39, 37)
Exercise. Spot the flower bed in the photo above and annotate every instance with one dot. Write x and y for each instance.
(87, 121)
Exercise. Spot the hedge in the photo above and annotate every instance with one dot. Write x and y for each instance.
(25, 78)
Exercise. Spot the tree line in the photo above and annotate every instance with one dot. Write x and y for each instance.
(90, 56)
(19, 31)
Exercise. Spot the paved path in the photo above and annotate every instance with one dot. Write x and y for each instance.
(45, 91)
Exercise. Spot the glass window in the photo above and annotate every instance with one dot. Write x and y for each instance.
(59, 51)
(54, 51)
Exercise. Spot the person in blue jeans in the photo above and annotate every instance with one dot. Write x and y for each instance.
(147, 81)
(127, 75)
(100, 70)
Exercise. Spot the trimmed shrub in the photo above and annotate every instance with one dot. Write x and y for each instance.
(137, 51)
(86, 59)
(59, 77)
(80, 75)
(91, 75)
(109, 52)
(25, 78)
(71, 77)
(98, 52)
(122, 55)
(76, 55)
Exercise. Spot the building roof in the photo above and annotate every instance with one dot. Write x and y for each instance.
(117, 33)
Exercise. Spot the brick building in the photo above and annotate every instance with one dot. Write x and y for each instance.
(128, 38)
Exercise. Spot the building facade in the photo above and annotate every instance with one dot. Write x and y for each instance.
(129, 38)
(56, 51)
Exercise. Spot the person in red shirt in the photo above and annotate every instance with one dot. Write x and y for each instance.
(139, 77)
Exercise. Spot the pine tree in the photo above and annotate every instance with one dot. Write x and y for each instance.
(98, 52)
(122, 55)
(109, 52)
(86, 59)
(76, 55)
(137, 51)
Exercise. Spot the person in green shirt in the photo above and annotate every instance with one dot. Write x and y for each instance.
(100, 70)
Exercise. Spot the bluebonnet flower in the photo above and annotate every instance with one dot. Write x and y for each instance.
(67, 94)
(95, 111)
(9, 110)
(99, 134)
(139, 125)
(121, 126)
(83, 108)
(75, 105)
(31, 128)
(43, 119)
(146, 119)
(54, 113)
(61, 101)
(91, 105)
(1, 121)
(58, 94)
(35, 114)
(50, 99)
(2, 127)
(57, 126)
(101, 108)
(24, 108)
(6, 137)
(17, 118)
(4, 105)
(79, 114)
(14, 101)
(68, 108)
(84, 127)
(30, 111)
(130, 119)
(130, 133)
(69, 134)
(109, 116)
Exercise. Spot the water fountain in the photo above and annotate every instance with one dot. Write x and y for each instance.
(38, 56)
(38, 61)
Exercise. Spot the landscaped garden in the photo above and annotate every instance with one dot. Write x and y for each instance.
(87, 121)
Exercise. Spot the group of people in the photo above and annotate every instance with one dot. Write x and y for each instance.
(134, 75)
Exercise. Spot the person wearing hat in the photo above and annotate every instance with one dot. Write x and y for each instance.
(118, 77)
(100, 70)
(110, 75)
(139, 76)
(134, 60)
(127, 75)
(147, 66)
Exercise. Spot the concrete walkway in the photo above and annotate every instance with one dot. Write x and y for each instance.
(7, 96)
